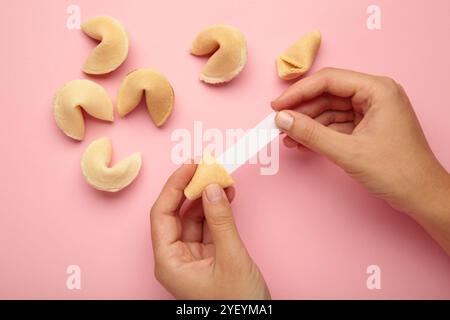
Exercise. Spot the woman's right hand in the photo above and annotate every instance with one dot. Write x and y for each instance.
(367, 126)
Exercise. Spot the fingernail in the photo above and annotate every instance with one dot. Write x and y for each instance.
(284, 120)
(213, 192)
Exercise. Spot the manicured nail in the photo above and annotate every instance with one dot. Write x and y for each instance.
(214, 192)
(284, 120)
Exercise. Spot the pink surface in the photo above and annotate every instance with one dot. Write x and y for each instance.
(311, 229)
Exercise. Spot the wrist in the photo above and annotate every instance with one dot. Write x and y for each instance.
(432, 197)
(429, 205)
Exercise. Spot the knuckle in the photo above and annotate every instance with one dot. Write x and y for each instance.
(387, 80)
(327, 70)
(390, 88)
(222, 221)
(389, 85)
(401, 90)
(307, 133)
(401, 94)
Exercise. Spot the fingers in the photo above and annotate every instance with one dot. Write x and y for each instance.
(221, 224)
(335, 82)
(346, 127)
(322, 103)
(313, 134)
(230, 192)
(358, 118)
(164, 213)
(289, 142)
(192, 220)
(328, 117)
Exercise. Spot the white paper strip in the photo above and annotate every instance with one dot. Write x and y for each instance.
(246, 147)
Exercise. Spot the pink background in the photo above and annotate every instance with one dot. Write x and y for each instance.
(311, 229)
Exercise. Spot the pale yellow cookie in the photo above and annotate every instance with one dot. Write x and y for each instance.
(97, 172)
(208, 171)
(298, 59)
(112, 50)
(229, 52)
(159, 95)
(74, 96)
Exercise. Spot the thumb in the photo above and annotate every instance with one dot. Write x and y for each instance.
(313, 134)
(221, 224)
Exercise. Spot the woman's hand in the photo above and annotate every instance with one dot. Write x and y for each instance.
(198, 252)
(367, 126)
